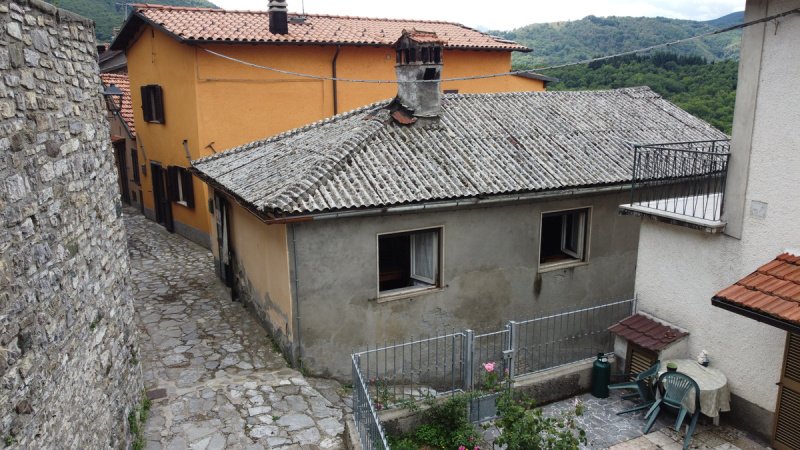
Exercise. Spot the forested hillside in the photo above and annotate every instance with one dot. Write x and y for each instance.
(108, 14)
(699, 76)
(559, 42)
(705, 89)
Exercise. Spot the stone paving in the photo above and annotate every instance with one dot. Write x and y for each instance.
(606, 430)
(215, 380)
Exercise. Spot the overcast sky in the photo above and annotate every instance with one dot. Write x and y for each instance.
(504, 14)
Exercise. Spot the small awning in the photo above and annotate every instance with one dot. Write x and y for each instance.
(645, 331)
(115, 138)
(771, 294)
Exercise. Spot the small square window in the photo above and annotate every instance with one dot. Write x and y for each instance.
(409, 261)
(563, 238)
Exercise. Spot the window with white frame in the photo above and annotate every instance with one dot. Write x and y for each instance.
(563, 239)
(180, 186)
(409, 260)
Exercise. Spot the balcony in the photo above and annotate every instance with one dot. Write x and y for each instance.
(682, 183)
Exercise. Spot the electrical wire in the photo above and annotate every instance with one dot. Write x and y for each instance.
(513, 72)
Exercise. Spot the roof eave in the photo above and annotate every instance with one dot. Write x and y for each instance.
(278, 216)
(762, 317)
(129, 32)
(332, 43)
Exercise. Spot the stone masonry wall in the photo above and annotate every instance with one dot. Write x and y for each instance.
(69, 374)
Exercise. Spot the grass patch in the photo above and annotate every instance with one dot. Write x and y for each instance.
(136, 420)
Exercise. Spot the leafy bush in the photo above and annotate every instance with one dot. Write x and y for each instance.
(524, 427)
(445, 425)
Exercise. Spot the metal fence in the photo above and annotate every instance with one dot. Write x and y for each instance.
(683, 178)
(394, 375)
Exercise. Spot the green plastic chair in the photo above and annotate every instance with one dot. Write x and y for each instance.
(644, 388)
(676, 387)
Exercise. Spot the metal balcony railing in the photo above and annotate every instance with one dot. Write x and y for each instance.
(680, 179)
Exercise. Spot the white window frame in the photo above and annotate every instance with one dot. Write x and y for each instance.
(580, 257)
(181, 200)
(410, 291)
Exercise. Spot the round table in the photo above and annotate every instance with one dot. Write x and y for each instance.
(715, 395)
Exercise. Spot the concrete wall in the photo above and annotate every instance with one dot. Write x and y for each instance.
(159, 59)
(679, 269)
(489, 271)
(69, 374)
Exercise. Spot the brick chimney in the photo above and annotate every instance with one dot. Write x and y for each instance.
(278, 17)
(419, 57)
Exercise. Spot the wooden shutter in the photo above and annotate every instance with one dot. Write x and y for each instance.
(188, 188)
(172, 183)
(158, 100)
(135, 164)
(639, 359)
(787, 420)
(147, 106)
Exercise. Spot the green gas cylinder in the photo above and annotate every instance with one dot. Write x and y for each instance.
(601, 375)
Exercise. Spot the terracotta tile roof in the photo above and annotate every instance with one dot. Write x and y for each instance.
(483, 145)
(122, 82)
(647, 332)
(218, 25)
(773, 289)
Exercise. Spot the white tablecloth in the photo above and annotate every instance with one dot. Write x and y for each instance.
(715, 396)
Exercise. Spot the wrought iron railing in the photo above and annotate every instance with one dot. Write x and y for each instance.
(681, 178)
(395, 375)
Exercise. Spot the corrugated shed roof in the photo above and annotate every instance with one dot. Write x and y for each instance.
(219, 25)
(122, 82)
(773, 289)
(647, 332)
(484, 144)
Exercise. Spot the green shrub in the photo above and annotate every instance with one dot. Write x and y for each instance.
(445, 425)
(524, 427)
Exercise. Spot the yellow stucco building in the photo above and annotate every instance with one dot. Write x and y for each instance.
(189, 103)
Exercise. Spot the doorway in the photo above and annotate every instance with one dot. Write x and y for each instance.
(786, 435)
(122, 171)
(222, 218)
(162, 205)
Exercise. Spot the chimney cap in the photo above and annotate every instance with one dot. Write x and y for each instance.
(415, 36)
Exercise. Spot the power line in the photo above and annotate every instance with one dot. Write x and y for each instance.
(513, 72)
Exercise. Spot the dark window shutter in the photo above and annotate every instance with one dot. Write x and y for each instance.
(135, 164)
(188, 188)
(172, 183)
(147, 108)
(158, 99)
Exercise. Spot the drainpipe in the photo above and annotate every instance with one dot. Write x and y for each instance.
(333, 75)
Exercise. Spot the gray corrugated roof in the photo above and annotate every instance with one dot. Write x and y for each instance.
(484, 144)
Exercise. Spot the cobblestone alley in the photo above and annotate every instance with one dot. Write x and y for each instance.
(209, 365)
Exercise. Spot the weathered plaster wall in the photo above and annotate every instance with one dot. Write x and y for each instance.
(68, 369)
(489, 270)
(679, 270)
(160, 59)
(262, 265)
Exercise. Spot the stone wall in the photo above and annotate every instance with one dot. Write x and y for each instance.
(69, 373)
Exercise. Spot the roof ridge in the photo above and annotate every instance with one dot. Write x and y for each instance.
(326, 173)
(334, 16)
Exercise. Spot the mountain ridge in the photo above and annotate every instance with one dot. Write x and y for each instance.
(592, 36)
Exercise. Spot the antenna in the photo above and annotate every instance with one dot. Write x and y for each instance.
(303, 6)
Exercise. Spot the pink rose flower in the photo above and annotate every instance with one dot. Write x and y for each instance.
(489, 366)
(461, 447)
